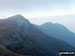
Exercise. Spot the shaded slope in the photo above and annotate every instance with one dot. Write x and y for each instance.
(6, 52)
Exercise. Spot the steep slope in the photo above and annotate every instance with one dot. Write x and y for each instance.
(58, 31)
(20, 36)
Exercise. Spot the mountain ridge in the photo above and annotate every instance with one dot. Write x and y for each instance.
(24, 38)
(58, 31)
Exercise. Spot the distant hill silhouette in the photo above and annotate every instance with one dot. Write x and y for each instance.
(58, 31)
(20, 36)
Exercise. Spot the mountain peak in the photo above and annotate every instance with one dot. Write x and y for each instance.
(18, 15)
(18, 18)
(47, 24)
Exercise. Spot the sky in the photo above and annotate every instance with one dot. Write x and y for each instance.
(41, 11)
(36, 8)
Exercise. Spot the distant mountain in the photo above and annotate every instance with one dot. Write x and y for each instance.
(58, 31)
(20, 36)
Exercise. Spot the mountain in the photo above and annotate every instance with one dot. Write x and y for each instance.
(58, 31)
(18, 35)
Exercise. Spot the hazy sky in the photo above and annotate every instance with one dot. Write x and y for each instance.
(41, 11)
(36, 8)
